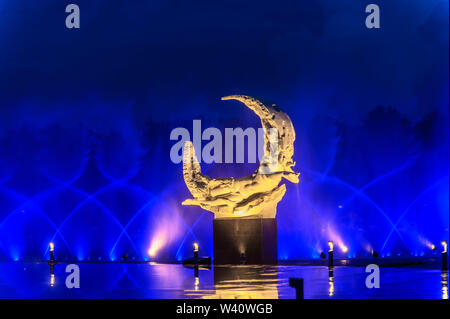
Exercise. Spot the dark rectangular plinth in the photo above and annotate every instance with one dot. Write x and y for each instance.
(245, 240)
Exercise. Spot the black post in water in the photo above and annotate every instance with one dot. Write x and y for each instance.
(330, 281)
(196, 274)
(444, 256)
(330, 259)
(297, 283)
(196, 254)
(52, 252)
(330, 254)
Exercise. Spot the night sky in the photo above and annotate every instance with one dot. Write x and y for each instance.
(157, 58)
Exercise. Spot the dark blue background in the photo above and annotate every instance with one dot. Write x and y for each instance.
(86, 116)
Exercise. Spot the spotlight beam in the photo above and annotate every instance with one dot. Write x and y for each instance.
(28, 201)
(90, 197)
(407, 164)
(129, 223)
(187, 233)
(364, 196)
(414, 202)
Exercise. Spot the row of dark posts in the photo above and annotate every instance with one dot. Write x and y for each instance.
(297, 283)
(330, 255)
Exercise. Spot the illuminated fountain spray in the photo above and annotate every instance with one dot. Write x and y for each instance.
(165, 232)
(155, 246)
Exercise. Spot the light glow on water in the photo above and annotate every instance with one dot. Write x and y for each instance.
(155, 280)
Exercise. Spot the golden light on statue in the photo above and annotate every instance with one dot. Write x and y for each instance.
(52, 246)
(256, 195)
(195, 247)
(444, 244)
(247, 205)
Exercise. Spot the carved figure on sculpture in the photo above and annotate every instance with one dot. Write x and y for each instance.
(256, 195)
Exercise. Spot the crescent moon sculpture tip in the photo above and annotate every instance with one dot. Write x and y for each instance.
(258, 194)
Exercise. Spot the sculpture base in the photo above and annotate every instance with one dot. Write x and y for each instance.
(245, 241)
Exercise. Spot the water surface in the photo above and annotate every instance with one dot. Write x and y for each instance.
(119, 280)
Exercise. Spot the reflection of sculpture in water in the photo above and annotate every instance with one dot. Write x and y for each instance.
(331, 282)
(235, 282)
(52, 275)
(256, 195)
(444, 285)
(245, 282)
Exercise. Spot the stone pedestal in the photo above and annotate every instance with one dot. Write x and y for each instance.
(245, 241)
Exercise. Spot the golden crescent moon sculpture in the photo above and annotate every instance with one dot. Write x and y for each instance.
(256, 195)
